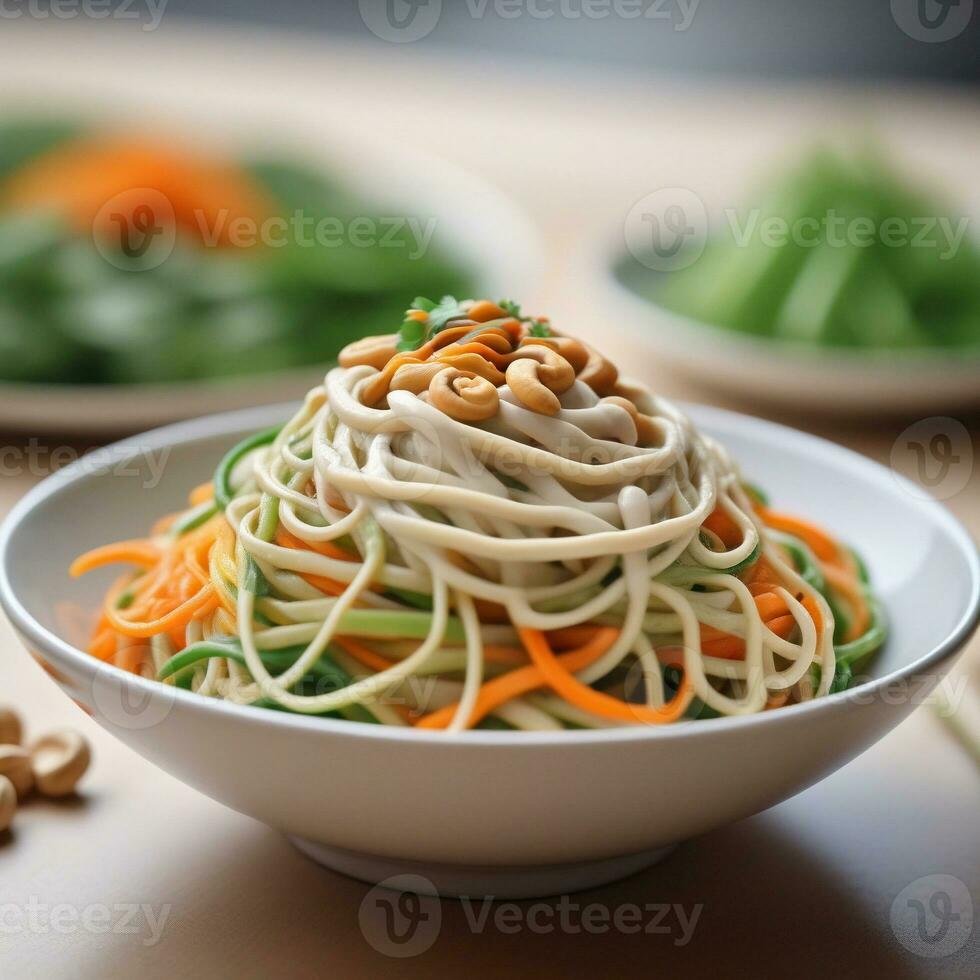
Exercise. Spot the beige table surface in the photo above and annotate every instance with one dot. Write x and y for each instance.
(804, 889)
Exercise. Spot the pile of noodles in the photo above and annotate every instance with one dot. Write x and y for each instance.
(428, 556)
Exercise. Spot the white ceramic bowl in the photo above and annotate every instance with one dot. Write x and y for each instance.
(775, 372)
(475, 225)
(500, 813)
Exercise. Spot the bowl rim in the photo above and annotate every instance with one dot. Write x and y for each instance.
(244, 420)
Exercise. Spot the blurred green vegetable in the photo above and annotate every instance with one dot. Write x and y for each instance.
(70, 313)
(23, 139)
(838, 253)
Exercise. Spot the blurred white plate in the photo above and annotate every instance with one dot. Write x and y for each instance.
(776, 372)
(476, 225)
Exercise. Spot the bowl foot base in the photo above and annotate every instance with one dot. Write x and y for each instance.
(480, 881)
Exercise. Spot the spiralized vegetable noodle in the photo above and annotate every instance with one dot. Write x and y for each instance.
(448, 536)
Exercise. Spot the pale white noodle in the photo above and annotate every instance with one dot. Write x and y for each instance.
(560, 520)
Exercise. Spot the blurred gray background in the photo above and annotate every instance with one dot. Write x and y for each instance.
(815, 38)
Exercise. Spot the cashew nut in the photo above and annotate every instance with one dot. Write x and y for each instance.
(414, 373)
(491, 345)
(59, 761)
(482, 310)
(15, 764)
(538, 376)
(376, 351)
(8, 803)
(376, 387)
(496, 338)
(472, 363)
(647, 431)
(415, 377)
(574, 351)
(446, 336)
(11, 729)
(599, 374)
(464, 396)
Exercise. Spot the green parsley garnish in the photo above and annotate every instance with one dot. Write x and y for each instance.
(416, 332)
